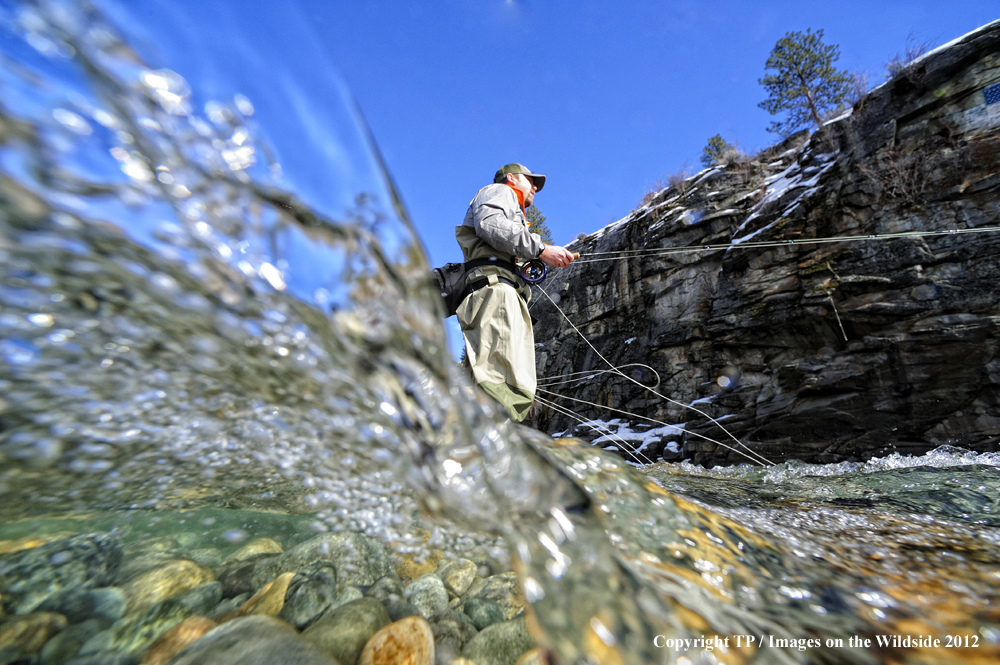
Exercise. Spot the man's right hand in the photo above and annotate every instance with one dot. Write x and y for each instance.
(557, 257)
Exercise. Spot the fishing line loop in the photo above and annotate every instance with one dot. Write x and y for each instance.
(752, 455)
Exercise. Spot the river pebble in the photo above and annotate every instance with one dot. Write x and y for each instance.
(484, 612)
(255, 548)
(238, 576)
(533, 657)
(176, 639)
(105, 659)
(30, 542)
(228, 606)
(452, 631)
(386, 589)
(29, 577)
(348, 595)
(270, 599)
(500, 644)
(133, 634)
(256, 640)
(502, 588)
(311, 592)
(359, 560)
(23, 636)
(207, 557)
(428, 594)
(344, 632)
(457, 575)
(402, 609)
(171, 610)
(76, 604)
(408, 641)
(165, 582)
(138, 563)
(67, 643)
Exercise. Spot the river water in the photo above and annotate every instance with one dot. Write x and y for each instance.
(215, 322)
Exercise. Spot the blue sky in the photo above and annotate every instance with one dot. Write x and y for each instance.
(604, 98)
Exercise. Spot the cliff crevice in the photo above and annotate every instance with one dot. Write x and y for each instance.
(804, 335)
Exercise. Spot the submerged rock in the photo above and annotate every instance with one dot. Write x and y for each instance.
(500, 644)
(428, 594)
(388, 589)
(105, 604)
(228, 606)
(344, 631)
(503, 589)
(311, 592)
(133, 635)
(270, 599)
(484, 612)
(108, 658)
(67, 643)
(165, 582)
(457, 575)
(402, 609)
(254, 549)
(257, 640)
(408, 641)
(24, 636)
(176, 639)
(348, 595)
(452, 631)
(359, 560)
(30, 577)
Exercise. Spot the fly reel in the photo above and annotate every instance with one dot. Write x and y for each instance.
(533, 271)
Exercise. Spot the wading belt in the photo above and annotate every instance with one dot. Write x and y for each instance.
(485, 281)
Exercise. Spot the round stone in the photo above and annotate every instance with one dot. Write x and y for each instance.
(484, 612)
(428, 594)
(255, 548)
(407, 641)
(500, 644)
(270, 599)
(343, 632)
(165, 582)
(311, 592)
(24, 636)
(176, 639)
(359, 560)
(256, 640)
(457, 575)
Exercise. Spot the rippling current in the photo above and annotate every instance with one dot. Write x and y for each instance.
(199, 327)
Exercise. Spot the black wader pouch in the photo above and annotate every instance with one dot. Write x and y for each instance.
(450, 280)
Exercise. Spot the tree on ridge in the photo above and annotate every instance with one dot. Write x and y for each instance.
(805, 84)
(713, 152)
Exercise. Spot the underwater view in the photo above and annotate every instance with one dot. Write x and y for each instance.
(231, 429)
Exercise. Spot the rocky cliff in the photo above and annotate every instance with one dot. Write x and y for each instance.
(818, 351)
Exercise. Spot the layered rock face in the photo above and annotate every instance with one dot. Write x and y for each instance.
(818, 351)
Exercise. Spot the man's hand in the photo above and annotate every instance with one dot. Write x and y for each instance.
(557, 257)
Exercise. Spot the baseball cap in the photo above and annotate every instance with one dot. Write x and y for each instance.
(536, 178)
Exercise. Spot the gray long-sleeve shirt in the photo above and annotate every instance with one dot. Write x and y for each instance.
(495, 226)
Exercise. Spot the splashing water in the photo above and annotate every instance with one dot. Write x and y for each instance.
(194, 328)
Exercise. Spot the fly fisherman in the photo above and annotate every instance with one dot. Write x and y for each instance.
(499, 341)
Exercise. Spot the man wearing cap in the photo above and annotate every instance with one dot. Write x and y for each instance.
(499, 341)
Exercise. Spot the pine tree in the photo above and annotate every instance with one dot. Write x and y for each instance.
(806, 84)
(536, 224)
(716, 148)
